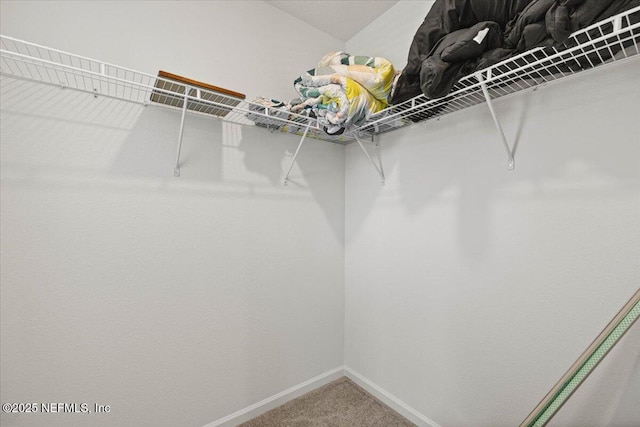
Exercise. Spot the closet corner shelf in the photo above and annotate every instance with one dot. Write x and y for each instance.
(612, 40)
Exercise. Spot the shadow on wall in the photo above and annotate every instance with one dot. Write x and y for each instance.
(559, 141)
(49, 131)
(496, 259)
(174, 275)
(212, 151)
(61, 131)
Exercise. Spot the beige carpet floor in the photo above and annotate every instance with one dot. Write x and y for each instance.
(341, 403)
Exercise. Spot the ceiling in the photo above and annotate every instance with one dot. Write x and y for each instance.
(341, 18)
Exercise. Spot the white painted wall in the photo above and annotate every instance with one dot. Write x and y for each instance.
(175, 301)
(471, 289)
(248, 46)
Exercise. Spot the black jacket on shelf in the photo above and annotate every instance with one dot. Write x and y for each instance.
(458, 37)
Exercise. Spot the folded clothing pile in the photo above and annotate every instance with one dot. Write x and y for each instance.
(342, 91)
(345, 90)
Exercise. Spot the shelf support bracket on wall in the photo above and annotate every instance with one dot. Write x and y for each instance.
(483, 85)
(176, 169)
(295, 155)
(377, 165)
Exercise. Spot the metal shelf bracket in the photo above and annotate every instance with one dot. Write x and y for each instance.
(176, 169)
(378, 164)
(483, 85)
(295, 155)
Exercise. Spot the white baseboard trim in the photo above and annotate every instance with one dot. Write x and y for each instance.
(390, 400)
(276, 400)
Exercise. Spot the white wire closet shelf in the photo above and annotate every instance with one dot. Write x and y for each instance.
(34, 62)
(612, 40)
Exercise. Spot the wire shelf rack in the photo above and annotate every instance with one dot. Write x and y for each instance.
(610, 40)
(33, 62)
(607, 41)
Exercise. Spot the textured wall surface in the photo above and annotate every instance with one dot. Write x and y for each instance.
(176, 301)
(471, 289)
(461, 288)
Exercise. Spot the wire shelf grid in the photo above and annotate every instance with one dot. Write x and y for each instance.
(610, 40)
(607, 41)
(32, 62)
